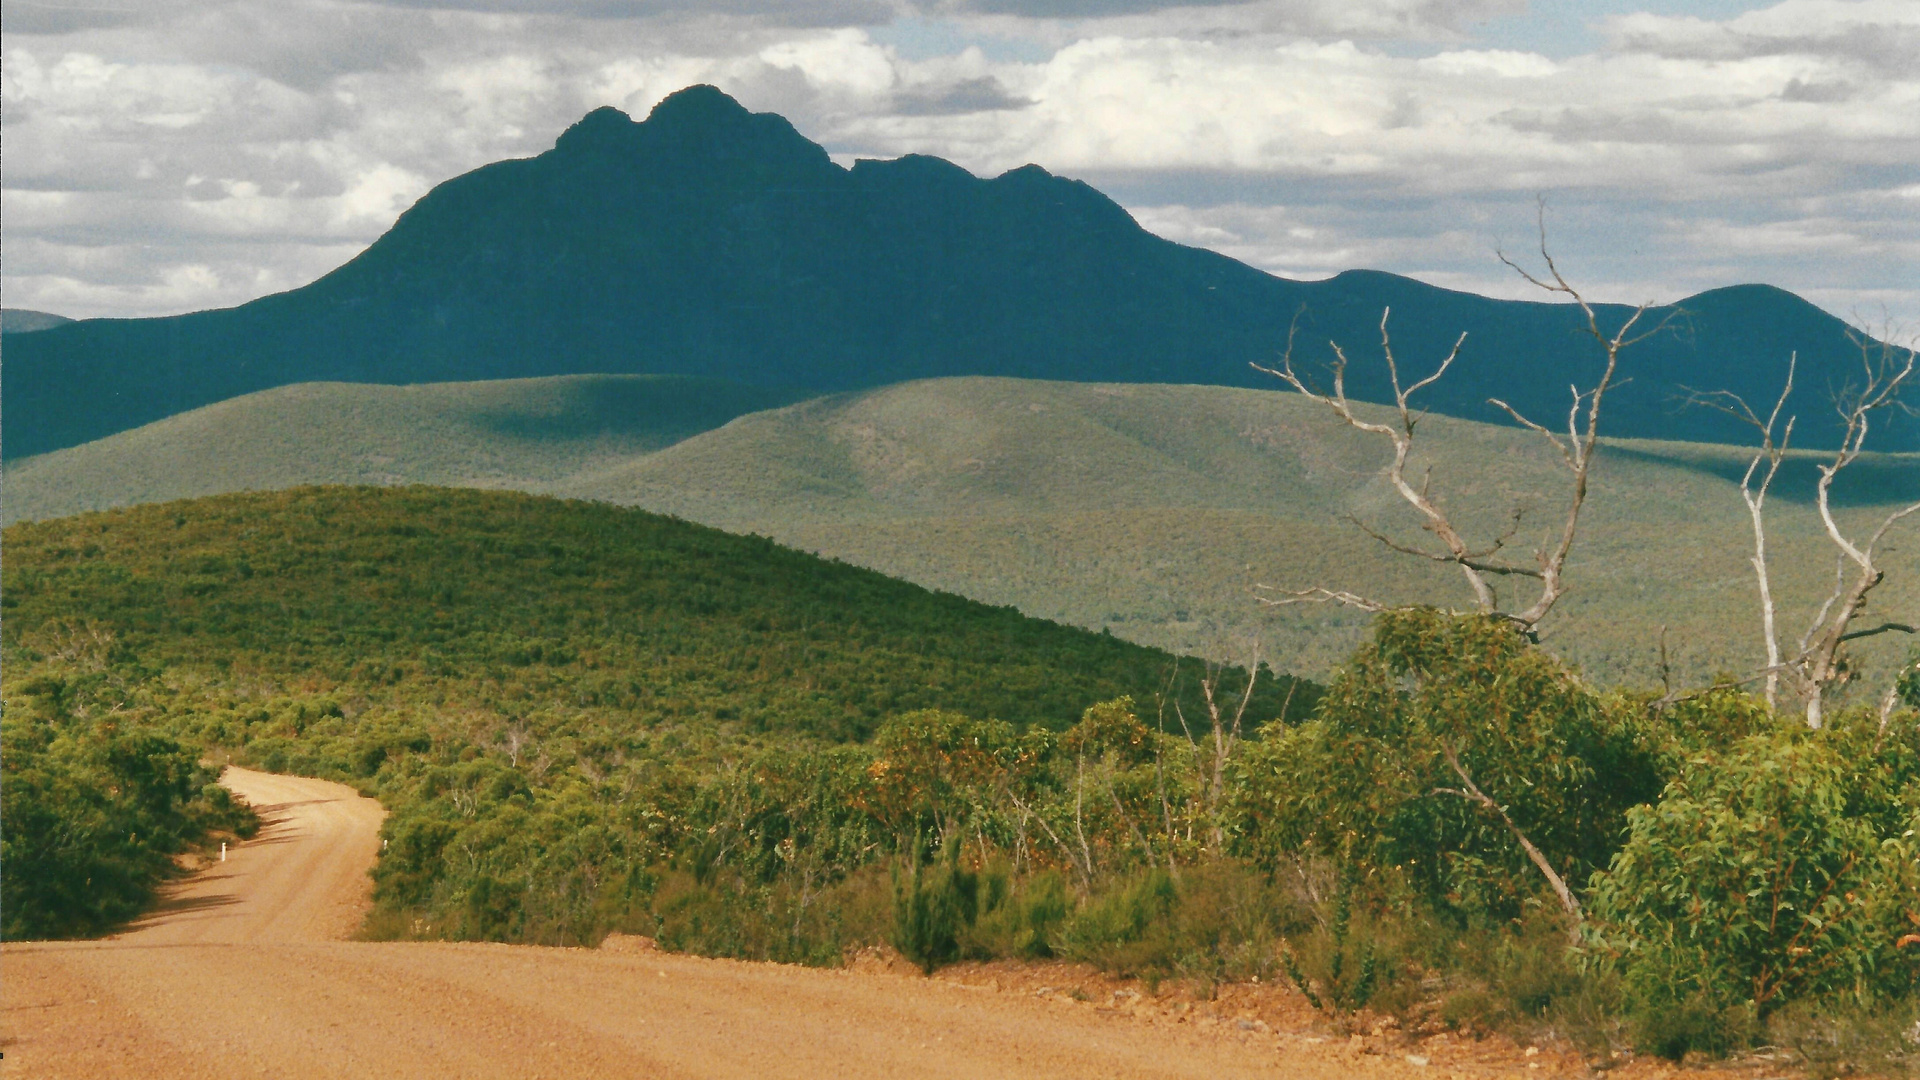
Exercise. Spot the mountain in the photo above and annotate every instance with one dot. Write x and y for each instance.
(712, 241)
(1146, 510)
(27, 320)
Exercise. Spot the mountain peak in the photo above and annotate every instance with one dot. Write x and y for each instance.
(699, 105)
(699, 128)
(600, 127)
(713, 240)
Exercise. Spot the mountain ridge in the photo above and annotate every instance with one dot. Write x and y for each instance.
(27, 320)
(709, 240)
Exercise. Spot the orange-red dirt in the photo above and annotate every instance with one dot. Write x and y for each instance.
(244, 970)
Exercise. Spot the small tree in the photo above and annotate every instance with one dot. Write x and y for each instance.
(1215, 747)
(1777, 869)
(1531, 767)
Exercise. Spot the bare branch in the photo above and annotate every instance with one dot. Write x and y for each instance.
(1582, 430)
(1226, 736)
(1576, 449)
(1772, 454)
(1320, 596)
(1539, 429)
(1473, 559)
(1885, 369)
(1472, 793)
(1401, 436)
(1883, 628)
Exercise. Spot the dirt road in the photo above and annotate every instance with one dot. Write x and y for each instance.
(243, 972)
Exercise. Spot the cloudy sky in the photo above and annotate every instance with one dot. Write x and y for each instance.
(169, 155)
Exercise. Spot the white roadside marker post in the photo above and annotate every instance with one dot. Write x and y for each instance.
(223, 851)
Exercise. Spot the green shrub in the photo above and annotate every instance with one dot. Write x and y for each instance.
(1018, 920)
(1342, 963)
(91, 819)
(1126, 929)
(1765, 875)
(1372, 780)
(1844, 1040)
(932, 909)
(1691, 1024)
(1217, 921)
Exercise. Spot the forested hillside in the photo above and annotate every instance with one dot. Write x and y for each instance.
(372, 634)
(498, 601)
(522, 434)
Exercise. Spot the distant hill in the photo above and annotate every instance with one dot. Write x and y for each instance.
(716, 242)
(1148, 510)
(1154, 510)
(524, 434)
(25, 320)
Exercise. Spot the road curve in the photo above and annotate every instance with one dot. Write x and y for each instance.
(244, 971)
(302, 879)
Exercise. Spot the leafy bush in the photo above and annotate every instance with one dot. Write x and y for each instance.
(724, 916)
(1022, 919)
(1432, 708)
(1764, 875)
(1843, 1040)
(92, 817)
(1127, 929)
(1217, 921)
(1339, 965)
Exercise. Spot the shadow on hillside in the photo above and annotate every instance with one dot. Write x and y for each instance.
(656, 411)
(1873, 480)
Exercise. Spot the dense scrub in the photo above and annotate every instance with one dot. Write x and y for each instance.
(524, 665)
(586, 720)
(1724, 867)
(94, 805)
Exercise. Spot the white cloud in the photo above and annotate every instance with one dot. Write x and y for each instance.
(1879, 33)
(1781, 144)
(377, 195)
(844, 62)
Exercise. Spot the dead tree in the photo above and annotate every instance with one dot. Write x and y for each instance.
(1481, 565)
(1772, 453)
(1817, 665)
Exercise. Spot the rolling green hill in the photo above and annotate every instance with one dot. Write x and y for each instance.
(495, 602)
(1149, 510)
(1154, 510)
(519, 434)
